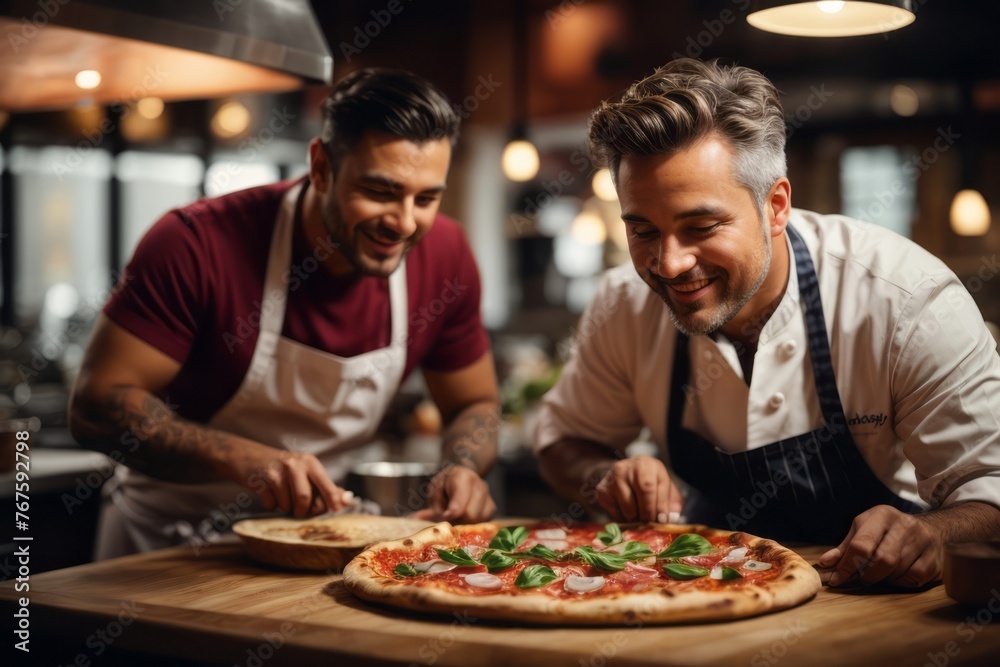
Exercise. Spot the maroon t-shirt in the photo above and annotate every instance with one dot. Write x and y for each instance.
(194, 290)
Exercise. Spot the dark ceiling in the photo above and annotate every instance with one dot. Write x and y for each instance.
(951, 40)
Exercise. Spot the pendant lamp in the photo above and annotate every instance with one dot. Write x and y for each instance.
(830, 18)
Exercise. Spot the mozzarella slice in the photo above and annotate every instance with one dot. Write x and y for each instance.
(716, 572)
(475, 551)
(735, 555)
(577, 584)
(555, 545)
(756, 566)
(550, 534)
(434, 566)
(640, 569)
(484, 580)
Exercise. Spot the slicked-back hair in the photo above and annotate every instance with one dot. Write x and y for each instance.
(687, 100)
(386, 100)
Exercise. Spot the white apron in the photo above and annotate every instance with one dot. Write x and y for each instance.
(292, 397)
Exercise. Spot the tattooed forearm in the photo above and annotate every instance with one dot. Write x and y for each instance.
(470, 439)
(145, 433)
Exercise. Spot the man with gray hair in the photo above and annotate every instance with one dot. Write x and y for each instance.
(810, 378)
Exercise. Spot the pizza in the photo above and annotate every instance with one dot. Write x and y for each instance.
(583, 574)
(326, 543)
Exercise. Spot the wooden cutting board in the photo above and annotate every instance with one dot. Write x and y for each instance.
(217, 605)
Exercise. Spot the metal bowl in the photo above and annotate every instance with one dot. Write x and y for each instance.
(398, 488)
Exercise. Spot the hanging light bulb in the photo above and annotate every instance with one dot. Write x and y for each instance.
(520, 160)
(831, 18)
(970, 216)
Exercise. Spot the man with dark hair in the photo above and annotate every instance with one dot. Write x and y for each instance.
(805, 377)
(260, 335)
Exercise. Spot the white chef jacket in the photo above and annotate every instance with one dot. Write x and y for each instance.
(917, 370)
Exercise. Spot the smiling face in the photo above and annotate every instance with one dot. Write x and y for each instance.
(697, 239)
(383, 198)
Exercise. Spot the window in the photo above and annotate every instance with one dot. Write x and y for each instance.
(876, 189)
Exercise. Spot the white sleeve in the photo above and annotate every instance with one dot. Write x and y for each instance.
(946, 390)
(595, 396)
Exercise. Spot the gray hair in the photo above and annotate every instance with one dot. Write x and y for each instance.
(687, 100)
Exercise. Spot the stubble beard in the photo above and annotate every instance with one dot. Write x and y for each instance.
(729, 304)
(348, 248)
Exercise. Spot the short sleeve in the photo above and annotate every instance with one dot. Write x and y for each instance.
(161, 295)
(594, 398)
(462, 339)
(946, 390)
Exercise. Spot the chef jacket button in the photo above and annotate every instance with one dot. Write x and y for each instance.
(776, 400)
(788, 347)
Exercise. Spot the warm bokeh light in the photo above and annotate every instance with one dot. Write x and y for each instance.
(88, 79)
(831, 19)
(150, 108)
(230, 120)
(588, 228)
(970, 215)
(904, 100)
(520, 160)
(603, 186)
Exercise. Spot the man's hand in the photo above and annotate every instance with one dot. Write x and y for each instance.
(639, 489)
(458, 494)
(295, 482)
(885, 544)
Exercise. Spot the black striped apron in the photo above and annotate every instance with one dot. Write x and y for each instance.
(805, 488)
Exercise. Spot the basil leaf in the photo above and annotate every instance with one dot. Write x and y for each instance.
(405, 570)
(730, 573)
(611, 534)
(684, 572)
(495, 560)
(687, 544)
(543, 552)
(637, 550)
(457, 556)
(534, 576)
(509, 539)
(601, 559)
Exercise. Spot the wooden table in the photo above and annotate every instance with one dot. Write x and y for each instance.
(217, 605)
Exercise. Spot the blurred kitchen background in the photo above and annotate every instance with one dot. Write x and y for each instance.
(887, 128)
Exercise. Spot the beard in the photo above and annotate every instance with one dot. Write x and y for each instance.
(347, 242)
(731, 299)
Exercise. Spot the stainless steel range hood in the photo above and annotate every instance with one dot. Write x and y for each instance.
(171, 49)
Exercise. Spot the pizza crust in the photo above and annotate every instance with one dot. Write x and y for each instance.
(326, 544)
(797, 583)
